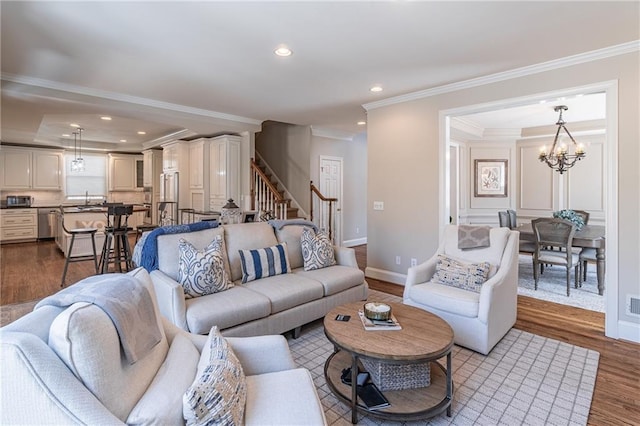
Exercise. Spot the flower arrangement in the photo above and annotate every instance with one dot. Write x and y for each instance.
(571, 216)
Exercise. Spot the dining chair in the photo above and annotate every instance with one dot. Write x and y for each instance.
(510, 218)
(553, 233)
(587, 253)
(503, 219)
(583, 214)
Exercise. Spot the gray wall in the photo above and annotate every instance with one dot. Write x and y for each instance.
(286, 148)
(404, 167)
(354, 181)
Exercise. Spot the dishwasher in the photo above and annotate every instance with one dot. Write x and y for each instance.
(46, 220)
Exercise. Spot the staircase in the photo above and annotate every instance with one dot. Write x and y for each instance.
(266, 194)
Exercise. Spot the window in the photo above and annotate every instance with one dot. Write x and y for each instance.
(90, 184)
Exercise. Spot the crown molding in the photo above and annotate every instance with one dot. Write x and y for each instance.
(120, 97)
(469, 128)
(511, 134)
(594, 55)
(180, 134)
(331, 133)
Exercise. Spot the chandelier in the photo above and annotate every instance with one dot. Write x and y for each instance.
(559, 158)
(77, 165)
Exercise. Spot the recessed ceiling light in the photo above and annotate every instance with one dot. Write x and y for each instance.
(142, 133)
(66, 135)
(376, 89)
(123, 140)
(283, 51)
(105, 118)
(74, 125)
(361, 123)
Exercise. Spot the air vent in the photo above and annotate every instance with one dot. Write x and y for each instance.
(633, 305)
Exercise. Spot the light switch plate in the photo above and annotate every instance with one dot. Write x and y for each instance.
(378, 205)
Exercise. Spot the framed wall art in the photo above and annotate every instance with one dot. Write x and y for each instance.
(490, 178)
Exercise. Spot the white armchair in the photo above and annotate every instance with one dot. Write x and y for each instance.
(479, 320)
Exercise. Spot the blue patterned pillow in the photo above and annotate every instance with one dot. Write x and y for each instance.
(219, 393)
(202, 272)
(455, 273)
(317, 250)
(265, 262)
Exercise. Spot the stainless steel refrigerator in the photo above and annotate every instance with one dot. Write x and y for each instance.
(169, 195)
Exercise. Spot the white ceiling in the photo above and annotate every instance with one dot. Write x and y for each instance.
(181, 69)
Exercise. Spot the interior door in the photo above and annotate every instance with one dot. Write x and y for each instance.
(331, 187)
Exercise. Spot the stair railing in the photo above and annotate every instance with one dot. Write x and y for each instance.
(326, 206)
(265, 196)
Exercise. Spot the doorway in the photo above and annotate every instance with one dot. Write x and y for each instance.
(331, 187)
(609, 175)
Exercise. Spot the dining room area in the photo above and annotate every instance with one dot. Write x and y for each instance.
(540, 169)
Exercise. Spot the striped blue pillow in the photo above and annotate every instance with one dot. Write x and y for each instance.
(265, 262)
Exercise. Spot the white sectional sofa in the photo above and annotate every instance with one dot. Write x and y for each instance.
(67, 366)
(271, 305)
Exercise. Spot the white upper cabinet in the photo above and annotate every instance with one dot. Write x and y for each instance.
(224, 171)
(47, 167)
(170, 157)
(196, 164)
(24, 168)
(124, 172)
(152, 160)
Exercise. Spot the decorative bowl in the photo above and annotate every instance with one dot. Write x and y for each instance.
(377, 311)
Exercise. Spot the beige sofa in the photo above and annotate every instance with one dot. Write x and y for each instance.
(271, 305)
(66, 366)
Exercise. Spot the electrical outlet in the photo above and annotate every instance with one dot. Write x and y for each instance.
(398, 260)
(414, 261)
(378, 205)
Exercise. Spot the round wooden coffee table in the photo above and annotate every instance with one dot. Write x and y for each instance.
(424, 337)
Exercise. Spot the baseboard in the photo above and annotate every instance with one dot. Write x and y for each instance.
(383, 275)
(629, 331)
(354, 242)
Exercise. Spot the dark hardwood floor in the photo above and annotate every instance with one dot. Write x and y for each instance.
(31, 271)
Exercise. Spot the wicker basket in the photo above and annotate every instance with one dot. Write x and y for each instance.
(388, 376)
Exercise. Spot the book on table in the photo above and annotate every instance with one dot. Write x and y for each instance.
(371, 396)
(376, 325)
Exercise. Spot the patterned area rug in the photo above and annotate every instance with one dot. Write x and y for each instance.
(552, 286)
(526, 379)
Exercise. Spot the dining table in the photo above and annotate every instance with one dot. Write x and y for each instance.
(589, 236)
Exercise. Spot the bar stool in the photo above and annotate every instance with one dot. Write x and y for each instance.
(141, 229)
(116, 235)
(73, 232)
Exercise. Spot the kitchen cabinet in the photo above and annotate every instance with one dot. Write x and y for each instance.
(24, 168)
(214, 172)
(124, 171)
(224, 171)
(175, 156)
(18, 224)
(196, 163)
(152, 167)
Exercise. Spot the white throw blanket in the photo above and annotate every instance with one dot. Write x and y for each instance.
(127, 302)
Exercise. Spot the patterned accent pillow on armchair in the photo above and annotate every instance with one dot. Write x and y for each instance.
(317, 250)
(202, 272)
(456, 273)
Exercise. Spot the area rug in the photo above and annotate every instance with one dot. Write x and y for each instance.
(552, 286)
(526, 379)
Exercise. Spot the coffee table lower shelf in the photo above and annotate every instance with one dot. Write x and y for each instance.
(406, 404)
